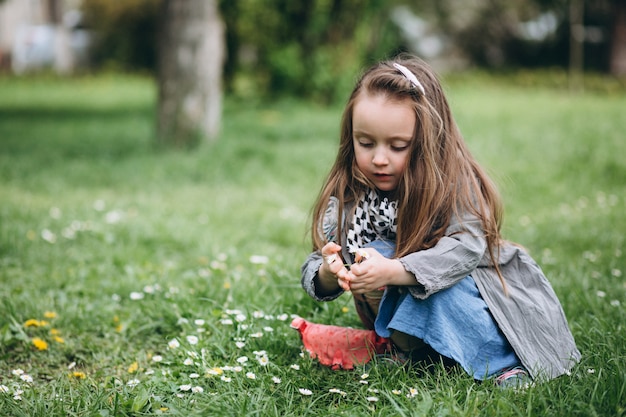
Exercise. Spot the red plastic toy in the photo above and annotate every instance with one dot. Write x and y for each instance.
(340, 347)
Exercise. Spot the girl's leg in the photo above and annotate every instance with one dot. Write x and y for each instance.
(367, 307)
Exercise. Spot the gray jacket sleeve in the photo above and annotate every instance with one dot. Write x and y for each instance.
(314, 260)
(309, 273)
(453, 258)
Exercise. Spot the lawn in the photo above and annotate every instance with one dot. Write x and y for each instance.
(137, 281)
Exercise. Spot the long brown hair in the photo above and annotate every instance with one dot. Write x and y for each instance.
(442, 179)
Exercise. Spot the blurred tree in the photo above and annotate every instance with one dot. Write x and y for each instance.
(190, 59)
(617, 62)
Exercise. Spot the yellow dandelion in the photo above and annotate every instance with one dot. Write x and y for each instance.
(227, 285)
(119, 328)
(50, 315)
(55, 332)
(78, 375)
(116, 319)
(32, 323)
(40, 343)
(133, 367)
(59, 339)
(344, 309)
(43, 323)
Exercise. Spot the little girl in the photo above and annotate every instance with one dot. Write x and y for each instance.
(406, 198)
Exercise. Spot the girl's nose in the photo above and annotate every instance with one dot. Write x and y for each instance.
(380, 158)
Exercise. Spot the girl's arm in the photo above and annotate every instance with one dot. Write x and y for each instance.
(316, 288)
(454, 257)
(376, 272)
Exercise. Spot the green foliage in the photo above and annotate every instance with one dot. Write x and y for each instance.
(125, 33)
(305, 48)
(133, 248)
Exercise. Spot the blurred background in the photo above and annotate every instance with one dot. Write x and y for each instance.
(311, 49)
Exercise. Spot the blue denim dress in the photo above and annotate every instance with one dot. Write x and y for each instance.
(455, 322)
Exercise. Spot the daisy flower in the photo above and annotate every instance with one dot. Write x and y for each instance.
(259, 259)
(26, 378)
(133, 383)
(305, 391)
(135, 295)
(17, 394)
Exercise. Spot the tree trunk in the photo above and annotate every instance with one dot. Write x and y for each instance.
(617, 63)
(191, 53)
(576, 45)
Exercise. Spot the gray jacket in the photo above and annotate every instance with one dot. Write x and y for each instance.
(530, 316)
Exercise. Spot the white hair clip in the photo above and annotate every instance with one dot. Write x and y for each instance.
(410, 76)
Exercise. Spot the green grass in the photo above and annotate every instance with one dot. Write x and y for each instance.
(130, 246)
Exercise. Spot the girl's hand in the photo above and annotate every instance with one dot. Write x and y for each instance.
(376, 272)
(333, 269)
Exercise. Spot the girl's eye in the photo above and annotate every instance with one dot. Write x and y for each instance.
(399, 148)
(366, 144)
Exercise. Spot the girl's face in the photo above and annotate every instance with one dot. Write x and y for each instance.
(382, 131)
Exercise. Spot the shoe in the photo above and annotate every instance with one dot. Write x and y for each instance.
(514, 378)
